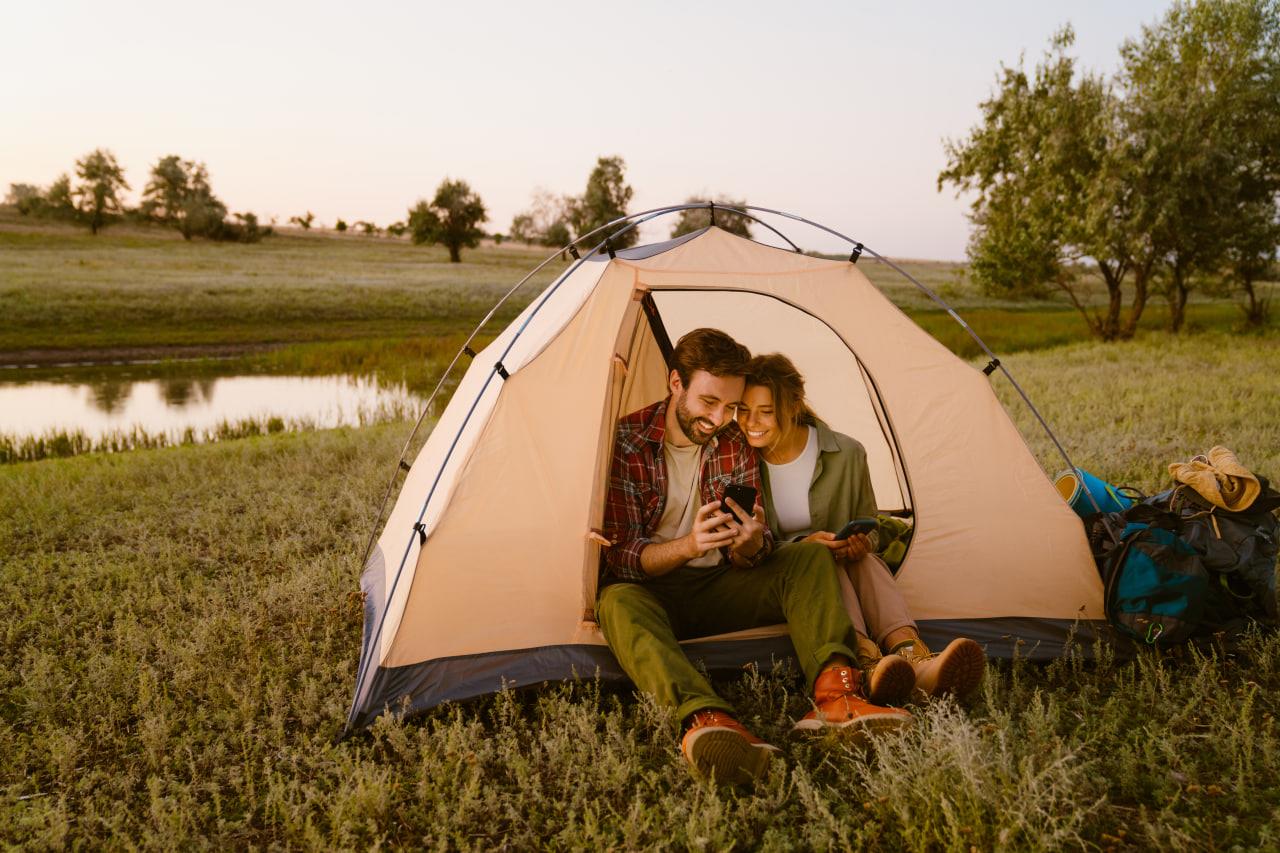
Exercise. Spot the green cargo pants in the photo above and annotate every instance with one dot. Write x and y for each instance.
(644, 622)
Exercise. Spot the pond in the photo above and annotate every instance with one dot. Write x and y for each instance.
(116, 413)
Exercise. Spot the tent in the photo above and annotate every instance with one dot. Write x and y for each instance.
(485, 573)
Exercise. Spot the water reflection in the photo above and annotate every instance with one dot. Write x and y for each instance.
(172, 406)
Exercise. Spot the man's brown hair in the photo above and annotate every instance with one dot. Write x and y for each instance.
(777, 373)
(711, 350)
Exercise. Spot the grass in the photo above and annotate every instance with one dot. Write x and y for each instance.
(133, 289)
(182, 627)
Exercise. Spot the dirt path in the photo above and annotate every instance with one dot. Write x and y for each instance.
(125, 355)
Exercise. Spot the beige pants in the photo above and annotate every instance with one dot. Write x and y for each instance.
(872, 598)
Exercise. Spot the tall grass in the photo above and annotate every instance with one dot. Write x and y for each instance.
(182, 627)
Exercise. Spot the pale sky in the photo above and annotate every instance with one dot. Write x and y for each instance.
(834, 111)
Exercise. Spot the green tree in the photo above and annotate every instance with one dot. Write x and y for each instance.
(545, 221)
(303, 222)
(179, 193)
(98, 193)
(605, 200)
(1202, 102)
(451, 218)
(340, 226)
(1048, 168)
(165, 194)
(59, 201)
(27, 198)
(698, 218)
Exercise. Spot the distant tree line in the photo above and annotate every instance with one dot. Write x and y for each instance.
(177, 194)
(1160, 180)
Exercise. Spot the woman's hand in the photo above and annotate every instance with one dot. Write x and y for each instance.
(849, 550)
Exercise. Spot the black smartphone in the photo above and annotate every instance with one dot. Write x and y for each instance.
(858, 525)
(743, 496)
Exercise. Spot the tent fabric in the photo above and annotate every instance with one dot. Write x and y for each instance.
(510, 483)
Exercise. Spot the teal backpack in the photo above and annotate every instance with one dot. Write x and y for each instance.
(1172, 571)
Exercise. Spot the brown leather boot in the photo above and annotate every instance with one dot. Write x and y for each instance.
(719, 747)
(956, 671)
(839, 704)
(889, 679)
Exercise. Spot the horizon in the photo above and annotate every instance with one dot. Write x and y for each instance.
(277, 97)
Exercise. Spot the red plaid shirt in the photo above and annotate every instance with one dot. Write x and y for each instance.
(638, 484)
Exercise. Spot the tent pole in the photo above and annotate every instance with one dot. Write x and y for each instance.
(955, 316)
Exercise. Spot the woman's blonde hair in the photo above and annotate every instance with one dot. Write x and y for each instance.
(776, 372)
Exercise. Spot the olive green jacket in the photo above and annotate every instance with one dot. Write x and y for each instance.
(841, 487)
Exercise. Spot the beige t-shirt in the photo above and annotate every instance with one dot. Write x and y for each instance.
(683, 466)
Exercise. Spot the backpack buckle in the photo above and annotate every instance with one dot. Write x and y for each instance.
(1154, 630)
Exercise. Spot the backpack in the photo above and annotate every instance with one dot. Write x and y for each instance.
(1174, 567)
(1154, 583)
(1239, 549)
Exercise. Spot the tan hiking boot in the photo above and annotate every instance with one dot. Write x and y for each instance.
(720, 747)
(956, 671)
(888, 679)
(839, 704)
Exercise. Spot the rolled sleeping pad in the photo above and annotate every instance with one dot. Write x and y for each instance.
(1076, 487)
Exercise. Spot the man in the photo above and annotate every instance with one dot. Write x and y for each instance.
(679, 567)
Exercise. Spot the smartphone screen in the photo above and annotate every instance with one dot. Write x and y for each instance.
(858, 525)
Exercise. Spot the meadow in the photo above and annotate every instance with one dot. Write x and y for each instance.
(182, 627)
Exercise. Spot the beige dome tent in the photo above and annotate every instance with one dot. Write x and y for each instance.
(485, 573)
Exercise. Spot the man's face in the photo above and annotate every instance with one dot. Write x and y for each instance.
(707, 404)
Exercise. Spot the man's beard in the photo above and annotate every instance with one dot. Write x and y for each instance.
(687, 423)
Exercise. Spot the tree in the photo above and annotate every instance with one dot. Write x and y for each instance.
(59, 201)
(545, 221)
(27, 198)
(1050, 171)
(303, 222)
(452, 218)
(397, 229)
(340, 226)
(98, 193)
(605, 200)
(166, 192)
(696, 219)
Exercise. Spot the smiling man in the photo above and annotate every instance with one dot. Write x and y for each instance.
(679, 567)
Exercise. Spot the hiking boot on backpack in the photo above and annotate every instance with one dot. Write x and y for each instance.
(720, 747)
(888, 679)
(839, 704)
(956, 671)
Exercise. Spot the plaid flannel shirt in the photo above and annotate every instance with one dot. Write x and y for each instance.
(638, 485)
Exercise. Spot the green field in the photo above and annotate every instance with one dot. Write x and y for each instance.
(147, 291)
(183, 626)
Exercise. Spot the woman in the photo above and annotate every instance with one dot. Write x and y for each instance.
(815, 480)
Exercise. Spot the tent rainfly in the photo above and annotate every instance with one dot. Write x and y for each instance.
(485, 573)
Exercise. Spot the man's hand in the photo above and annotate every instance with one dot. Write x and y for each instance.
(749, 535)
(711, 530)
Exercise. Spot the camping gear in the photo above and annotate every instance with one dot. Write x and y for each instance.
(457, 606)
(1077, 486)
(1239, 549)
(1175, 566)
(1155, 585)
(1220, 479)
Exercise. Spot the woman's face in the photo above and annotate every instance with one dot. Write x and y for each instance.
(757, 417)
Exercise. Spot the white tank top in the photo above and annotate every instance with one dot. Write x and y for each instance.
(789, 488)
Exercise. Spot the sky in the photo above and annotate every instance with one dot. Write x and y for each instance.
(837, 112)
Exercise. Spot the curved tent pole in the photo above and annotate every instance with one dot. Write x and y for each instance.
(955, 316)
(650, 214)
(639, 219)
(633, 221)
